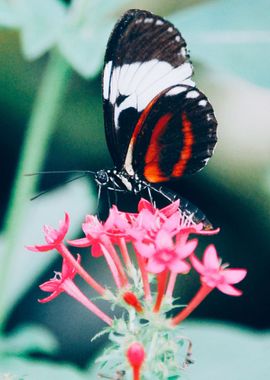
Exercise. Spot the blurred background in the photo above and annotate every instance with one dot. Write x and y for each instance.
(229, 43)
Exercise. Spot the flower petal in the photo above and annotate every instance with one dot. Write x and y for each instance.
(145, 250)
(197, 265)
(233, 276)
(50, 297)
(155, 266)
(64, 226)
(172, 224)
(145, 205)
(164, 240)
(186, 250)
(83, 242)
(210, 258)
(50, 286)
(179, 266)
(40, 248)
(171, 208)
(229, 289)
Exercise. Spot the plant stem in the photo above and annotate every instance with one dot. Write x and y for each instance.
(196, 300)
(171, 284)
(37, 136)
(64, 252)
(144, 274)
(161, 285)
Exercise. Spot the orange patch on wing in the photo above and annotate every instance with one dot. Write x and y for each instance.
(152, 171)
(141, 121)
(186, 152)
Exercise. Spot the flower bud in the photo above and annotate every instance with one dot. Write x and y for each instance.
(136, 354)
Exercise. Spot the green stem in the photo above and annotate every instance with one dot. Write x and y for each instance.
(37, 137)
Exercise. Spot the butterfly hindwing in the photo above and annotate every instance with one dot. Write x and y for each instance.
(173, 137)
(145, 56)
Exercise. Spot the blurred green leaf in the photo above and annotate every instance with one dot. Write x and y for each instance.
(230, 34)
(74, 198)
(26, 369)
(41, 23)
(223, 351)
(80, 31)
(8, 17)
(86, 32)
(27, 339)
(164, 7)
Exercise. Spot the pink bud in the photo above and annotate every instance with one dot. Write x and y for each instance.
(132, 300)
(135, 354)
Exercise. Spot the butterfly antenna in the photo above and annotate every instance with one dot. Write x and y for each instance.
(99, 195)
(61, 172)
(46, 191)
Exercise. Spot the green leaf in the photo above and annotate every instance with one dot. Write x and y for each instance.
(231, 35)
(88, 26)
(23, 369)
(8, 16)
(27, 339)
(41, 23)
(225, 351)
(164, 7)
(74, 198)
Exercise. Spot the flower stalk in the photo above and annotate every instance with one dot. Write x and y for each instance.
(37, 136)
(161, 287)
(196, 300)
(65, 253)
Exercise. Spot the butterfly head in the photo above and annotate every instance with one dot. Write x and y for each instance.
(102, 177)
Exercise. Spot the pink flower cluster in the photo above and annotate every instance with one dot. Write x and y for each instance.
(161, 241)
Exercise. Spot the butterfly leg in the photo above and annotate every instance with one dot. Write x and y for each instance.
(150, 195)
(108, 198)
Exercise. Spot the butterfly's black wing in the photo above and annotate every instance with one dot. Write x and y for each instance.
(145, 56)
(175, 136)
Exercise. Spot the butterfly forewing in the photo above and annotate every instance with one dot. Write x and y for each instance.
(145, 56)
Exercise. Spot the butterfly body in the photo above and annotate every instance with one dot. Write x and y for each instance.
(121, 181)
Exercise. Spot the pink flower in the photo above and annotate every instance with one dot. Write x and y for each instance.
(216, 275)
(97, 237)
(116, 224)
(144, 226)
(94, 231)
(61, 281)
(166, 211)
(164, 254)
(53, 237)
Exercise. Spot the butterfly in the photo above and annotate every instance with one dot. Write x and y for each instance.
(159, 126)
